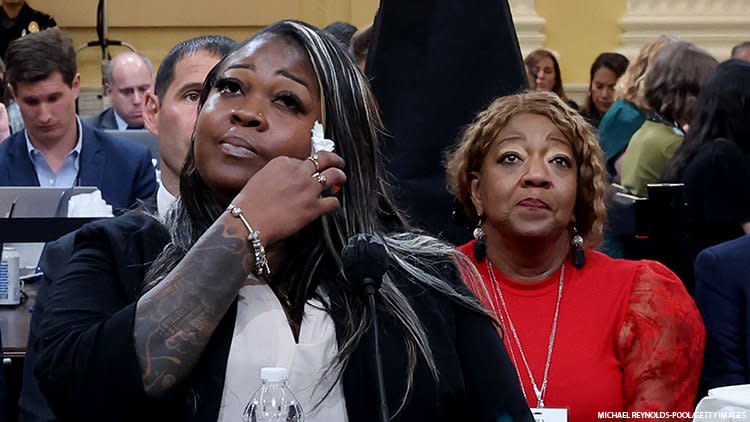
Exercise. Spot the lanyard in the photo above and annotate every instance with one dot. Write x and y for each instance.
(505, 316)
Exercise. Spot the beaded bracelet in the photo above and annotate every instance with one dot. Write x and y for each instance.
(261, 260)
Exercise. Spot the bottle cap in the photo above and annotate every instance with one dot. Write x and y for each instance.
(274, 374)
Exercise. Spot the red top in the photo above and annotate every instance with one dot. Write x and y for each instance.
(629, 337)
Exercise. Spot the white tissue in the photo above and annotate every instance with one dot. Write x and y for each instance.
(724, 403)
(318, 141)
(89, 205)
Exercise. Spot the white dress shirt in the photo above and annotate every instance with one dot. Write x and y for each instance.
(164, 201)
(262, 338)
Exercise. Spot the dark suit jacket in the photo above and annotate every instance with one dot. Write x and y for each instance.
(433, 65)
(33, 407)
(104, 120)
(88, 368)
(722, 275)
(122, 170)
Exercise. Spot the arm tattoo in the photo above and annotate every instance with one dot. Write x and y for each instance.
(175, 319)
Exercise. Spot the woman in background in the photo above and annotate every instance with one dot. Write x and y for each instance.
(714, 162)
(585, 332)
(671, 88)
(544, 74)
(628, 113)
(605, 71)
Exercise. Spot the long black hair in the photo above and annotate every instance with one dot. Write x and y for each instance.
(722, 114)
(615, 62)
(313, 256)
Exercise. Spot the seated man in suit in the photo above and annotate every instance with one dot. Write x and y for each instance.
(170, 115)
(128, 76)
(55, 149)
(723, 296)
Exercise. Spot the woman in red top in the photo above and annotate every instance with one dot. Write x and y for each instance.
(586, 332)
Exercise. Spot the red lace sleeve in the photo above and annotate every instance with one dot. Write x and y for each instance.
(661, 343)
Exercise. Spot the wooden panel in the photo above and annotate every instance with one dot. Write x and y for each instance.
(220, 13)
(153, 27)
(72, 13)
(579, 31)
(152, 42)
(172, 13)
(363, 12)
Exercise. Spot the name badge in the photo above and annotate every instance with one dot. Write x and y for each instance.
(549, 414)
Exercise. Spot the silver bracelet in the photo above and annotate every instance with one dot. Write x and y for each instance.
(261, 260)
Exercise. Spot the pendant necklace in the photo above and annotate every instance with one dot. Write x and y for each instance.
(505, 319)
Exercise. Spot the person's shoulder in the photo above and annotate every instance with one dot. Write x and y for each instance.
(652, 276)
(719, 153)
(467, 248)
(133, 224)
(45, 20)
(627, 269)
(723, 266)
(642, 133)
(719, 148)
(623, 110)
(97, 120)
(92, 121)
(614, 267)
(9, 143)
(119, 146)
(735, 251)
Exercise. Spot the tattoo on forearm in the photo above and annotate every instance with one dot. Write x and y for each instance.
(175, 319)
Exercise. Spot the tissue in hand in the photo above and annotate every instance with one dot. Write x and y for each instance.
(89, 205)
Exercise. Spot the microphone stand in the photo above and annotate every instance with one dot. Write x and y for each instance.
(365, 261)
(102, 41)
(369, 285)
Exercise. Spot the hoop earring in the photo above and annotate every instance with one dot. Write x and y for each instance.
(480, 246)
(579, 256)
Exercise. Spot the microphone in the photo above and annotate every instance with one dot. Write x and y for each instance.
(365, 261)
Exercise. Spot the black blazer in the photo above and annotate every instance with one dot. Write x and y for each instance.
(722, 276)
(88, 368)
(433, 65)
(32, 405)
(104, 120)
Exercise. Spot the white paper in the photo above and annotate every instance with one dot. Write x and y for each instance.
(89, 205)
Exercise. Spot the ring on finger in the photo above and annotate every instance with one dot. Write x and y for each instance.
(316, 163)
(321, 178)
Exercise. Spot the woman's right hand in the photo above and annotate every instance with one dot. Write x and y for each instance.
(285, 195)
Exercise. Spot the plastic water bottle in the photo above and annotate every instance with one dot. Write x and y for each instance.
(274, 401)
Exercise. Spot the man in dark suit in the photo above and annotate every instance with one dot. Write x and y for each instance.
(170, 114)
(56, 149)
(722, 276)
(128, 77)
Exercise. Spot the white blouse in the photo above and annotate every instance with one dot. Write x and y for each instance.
(262, 337)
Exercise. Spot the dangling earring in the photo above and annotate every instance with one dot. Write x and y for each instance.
(480, 246)
(579, 257)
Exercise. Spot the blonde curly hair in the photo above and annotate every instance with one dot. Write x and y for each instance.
(590, 208)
